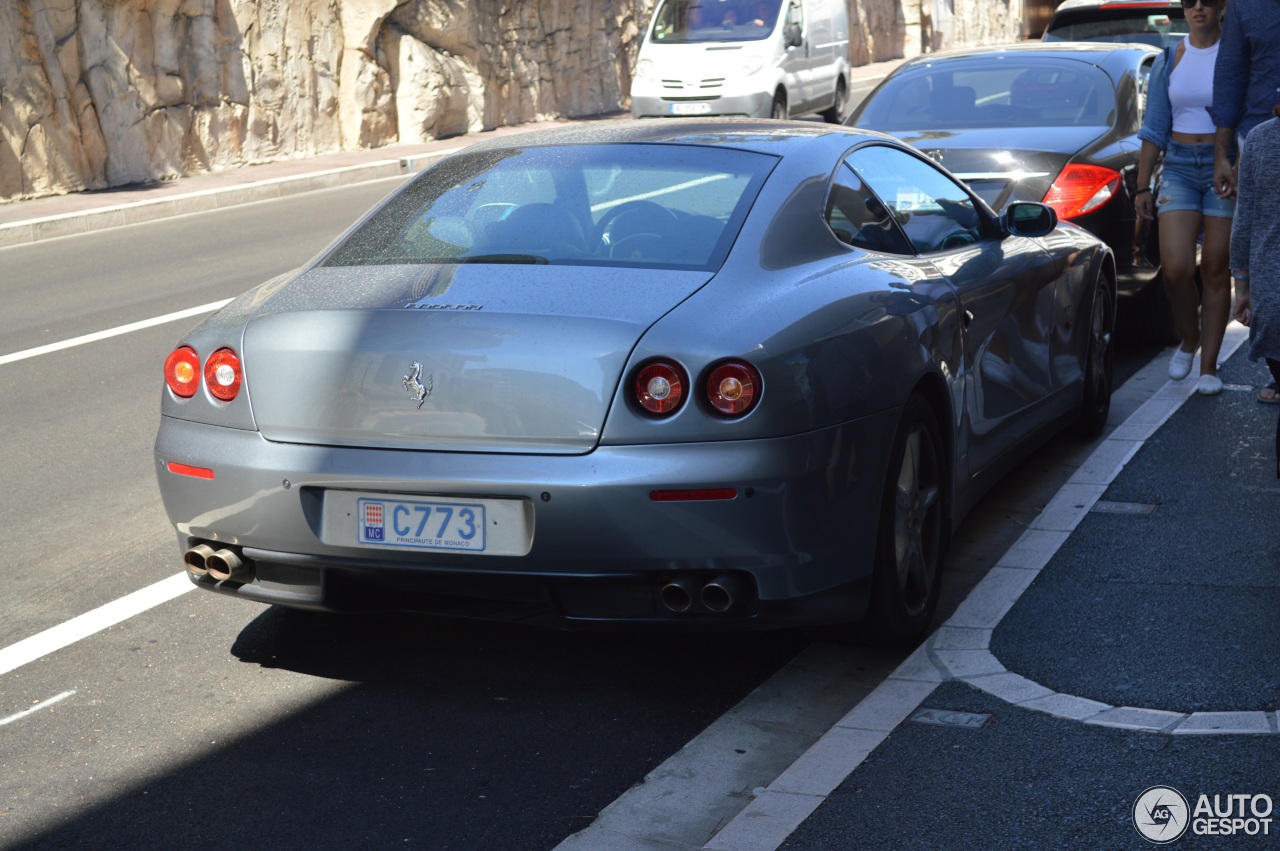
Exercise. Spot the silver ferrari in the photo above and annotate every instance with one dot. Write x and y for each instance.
(681, 374)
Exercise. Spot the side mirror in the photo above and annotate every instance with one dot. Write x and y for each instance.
(793, 36)
(1029, 218)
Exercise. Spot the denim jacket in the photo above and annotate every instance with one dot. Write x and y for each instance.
(1157, 123)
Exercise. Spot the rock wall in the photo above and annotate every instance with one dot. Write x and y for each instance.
(100, 93)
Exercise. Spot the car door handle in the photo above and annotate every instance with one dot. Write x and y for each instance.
(968, 318)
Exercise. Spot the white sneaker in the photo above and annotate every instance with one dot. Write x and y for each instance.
(1180, 364)
(1209, 385)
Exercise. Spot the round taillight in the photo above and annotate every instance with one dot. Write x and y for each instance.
(733, 388)
(222, 374)
(659, 387)
(182, 371)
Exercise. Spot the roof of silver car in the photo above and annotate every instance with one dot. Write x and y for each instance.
(755, 134)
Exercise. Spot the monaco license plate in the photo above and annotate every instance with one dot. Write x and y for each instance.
(421, 524)
(690, 108)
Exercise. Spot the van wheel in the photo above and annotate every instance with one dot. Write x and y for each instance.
(779, 106)
(835, 114)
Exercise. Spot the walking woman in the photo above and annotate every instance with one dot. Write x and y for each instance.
(1254, 240)
(1178, 124)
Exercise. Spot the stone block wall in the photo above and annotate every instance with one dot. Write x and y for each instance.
(101, 93)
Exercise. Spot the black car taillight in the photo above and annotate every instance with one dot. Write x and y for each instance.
(1081, 189)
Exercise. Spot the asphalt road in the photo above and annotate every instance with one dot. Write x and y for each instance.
(207, 722)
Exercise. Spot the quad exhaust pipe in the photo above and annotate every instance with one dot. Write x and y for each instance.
(220, 565)
(721, 594)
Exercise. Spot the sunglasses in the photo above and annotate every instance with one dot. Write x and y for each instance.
(1208, 4)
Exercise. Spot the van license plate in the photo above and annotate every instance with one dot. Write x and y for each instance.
(690, 108)
(420, 524)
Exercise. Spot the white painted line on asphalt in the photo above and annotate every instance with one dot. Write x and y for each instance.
(960, 649)
(44, 704)
(113, 332)
(83, 626)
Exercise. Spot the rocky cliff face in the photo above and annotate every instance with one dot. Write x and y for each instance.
(99, 93)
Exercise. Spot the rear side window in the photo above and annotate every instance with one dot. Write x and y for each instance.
(663, 206)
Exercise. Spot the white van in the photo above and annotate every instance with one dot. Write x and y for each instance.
(773, 58)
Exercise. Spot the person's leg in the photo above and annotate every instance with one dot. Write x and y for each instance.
(1179, 231)
(1180, 204)
(1215, 279)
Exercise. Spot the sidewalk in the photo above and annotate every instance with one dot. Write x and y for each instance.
(1121, 653)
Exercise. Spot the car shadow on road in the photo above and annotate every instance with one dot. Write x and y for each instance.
(439, 734)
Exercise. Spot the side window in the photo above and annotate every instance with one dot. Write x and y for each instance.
(857, 217)
(795, 14)
(934, 211)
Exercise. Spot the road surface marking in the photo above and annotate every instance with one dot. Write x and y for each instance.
(113, 332)
(83, 626)
(44, 704)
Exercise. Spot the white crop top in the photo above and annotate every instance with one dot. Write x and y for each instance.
(1191, 89)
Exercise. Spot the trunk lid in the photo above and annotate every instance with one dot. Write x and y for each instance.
(474, 358)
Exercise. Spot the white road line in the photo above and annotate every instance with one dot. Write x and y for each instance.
(57, 698)
(113, 332)
(83, 626)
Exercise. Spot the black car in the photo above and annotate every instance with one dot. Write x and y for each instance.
(1159, 23)
(1050, 122)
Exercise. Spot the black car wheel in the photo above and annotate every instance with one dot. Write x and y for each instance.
(1099, 367)
(911, 541)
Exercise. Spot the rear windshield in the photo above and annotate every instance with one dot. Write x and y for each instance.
(973, 94)
(651, 205)
(1144, 25)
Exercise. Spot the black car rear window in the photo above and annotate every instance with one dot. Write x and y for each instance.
(1160, 26)
(652, 205)
(975, 93)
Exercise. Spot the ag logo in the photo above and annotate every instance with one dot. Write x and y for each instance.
(1160, 814)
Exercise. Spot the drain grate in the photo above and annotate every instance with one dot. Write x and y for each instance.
(948, 718)
(1103, 507)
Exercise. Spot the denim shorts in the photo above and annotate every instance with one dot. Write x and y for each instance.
(1186, 182)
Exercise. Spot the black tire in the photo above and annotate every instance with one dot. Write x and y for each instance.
(912, 537)
(1099, 365)
(779, 110)
(835, 114)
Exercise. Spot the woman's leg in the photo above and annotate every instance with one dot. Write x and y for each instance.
(1215, 278)
(1179, 232)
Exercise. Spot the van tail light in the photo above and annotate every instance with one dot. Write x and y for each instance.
(182, 371)
(733, 388)
(1081, 189)
(222, 374)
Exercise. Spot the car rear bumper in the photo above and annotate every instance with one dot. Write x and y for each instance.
(794, 544)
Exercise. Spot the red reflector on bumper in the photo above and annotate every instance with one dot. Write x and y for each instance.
(188, 470)
(690, 495)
